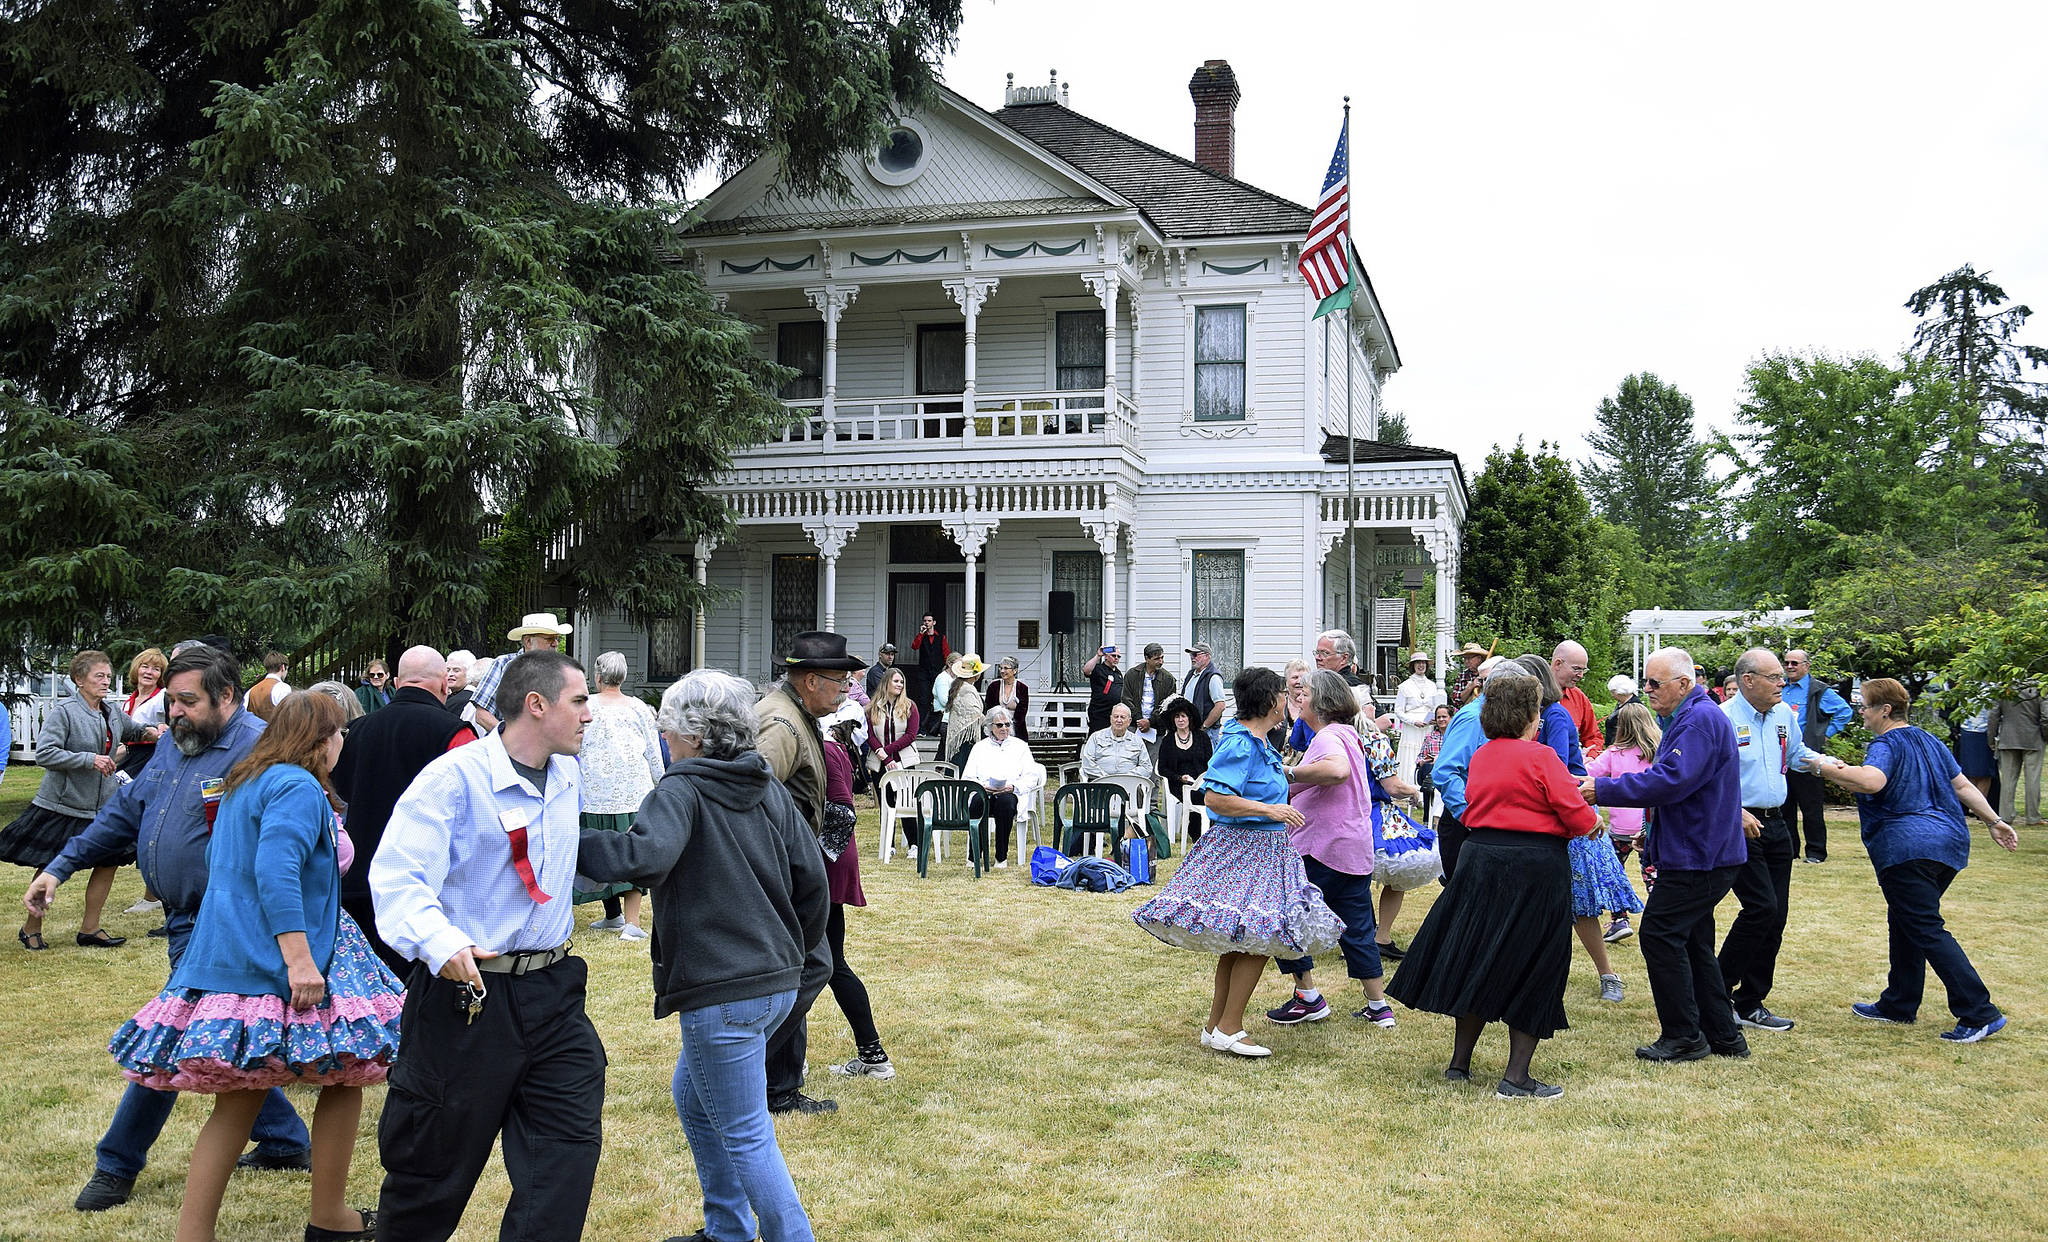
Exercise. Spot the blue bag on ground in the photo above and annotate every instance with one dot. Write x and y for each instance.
(1046, 863)
(1141, 861)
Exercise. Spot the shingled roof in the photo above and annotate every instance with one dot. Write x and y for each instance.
(1178, 195)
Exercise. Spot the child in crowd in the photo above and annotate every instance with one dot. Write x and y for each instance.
(1634, 749)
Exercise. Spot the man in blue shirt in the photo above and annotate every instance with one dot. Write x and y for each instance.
(1807, 794)
(1768, 748)
(1461, 741)
(166, 816)
(1696, 844)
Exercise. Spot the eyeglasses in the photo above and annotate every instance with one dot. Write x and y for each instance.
(1777, 677)
(1000, 724)
(837, 683)
(1651, 683)
(377, 676)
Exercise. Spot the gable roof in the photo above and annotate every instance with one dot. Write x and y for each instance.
(1178, 195)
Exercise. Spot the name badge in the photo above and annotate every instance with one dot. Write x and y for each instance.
(1742, 735)
(210, 792)
(514, 819)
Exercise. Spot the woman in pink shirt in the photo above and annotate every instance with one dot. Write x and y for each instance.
(1334, 840)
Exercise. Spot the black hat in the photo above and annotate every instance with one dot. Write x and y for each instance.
(820, 649)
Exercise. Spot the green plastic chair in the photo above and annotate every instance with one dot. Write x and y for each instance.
(952, 806)
(1086, 809)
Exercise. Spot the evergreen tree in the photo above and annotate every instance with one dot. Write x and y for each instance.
(1394, 428)
(1649, 470)
(331, 309)
(1963, 332)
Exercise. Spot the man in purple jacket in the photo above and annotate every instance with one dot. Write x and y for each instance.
(1696, 843)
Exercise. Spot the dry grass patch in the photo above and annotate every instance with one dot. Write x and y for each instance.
(1050, 1087)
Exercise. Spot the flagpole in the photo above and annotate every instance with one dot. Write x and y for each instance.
(1350, 444)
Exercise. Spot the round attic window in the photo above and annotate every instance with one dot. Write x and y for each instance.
(900, 156)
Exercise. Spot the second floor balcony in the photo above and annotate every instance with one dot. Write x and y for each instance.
(1062, 420)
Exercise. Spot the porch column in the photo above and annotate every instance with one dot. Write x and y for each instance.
(1131, 647)
(1137, 353)
(1106, 534)
(831, 301)
(972, 533)
(1443, 549)
(969, 293)
(830, 535)
(702, 572)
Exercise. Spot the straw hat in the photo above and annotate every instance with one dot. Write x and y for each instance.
(1417, 657)
(538, 623)
(966, 666)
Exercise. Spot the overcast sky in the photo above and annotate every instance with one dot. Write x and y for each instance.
(1550, 197)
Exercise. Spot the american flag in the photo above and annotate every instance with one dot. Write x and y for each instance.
(1323, 266)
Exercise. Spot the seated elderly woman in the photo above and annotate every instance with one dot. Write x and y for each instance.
(740, 898)
(1116, 751)
(1002, 765)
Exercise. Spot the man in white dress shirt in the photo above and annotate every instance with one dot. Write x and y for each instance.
(473, 882)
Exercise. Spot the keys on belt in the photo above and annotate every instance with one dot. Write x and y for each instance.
(470, 1000)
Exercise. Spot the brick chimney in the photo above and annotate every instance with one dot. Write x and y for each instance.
(1214, 88)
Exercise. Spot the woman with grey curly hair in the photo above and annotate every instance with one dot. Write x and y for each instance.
(621, 761)
(740, 899)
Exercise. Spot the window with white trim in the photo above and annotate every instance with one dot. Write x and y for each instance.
(1220, 354)
(1218, 606)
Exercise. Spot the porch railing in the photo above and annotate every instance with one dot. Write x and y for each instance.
(1087, 417)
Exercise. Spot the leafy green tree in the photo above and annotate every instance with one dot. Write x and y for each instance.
(1648, 471)
(1394, 428)
(1892, 615)
(364, 308)
(1537, 565)
(1963, 332)
(1996, 651)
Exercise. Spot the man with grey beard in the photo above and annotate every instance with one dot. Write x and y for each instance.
(166, 816)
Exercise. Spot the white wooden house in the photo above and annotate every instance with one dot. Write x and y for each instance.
(1038, 354)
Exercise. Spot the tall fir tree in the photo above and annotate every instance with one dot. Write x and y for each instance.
(1648, 471)
(1962, 331)
(358, 308)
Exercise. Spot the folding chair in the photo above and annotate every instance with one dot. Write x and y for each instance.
(952, 806)
(1031, 807)
(1088, 808)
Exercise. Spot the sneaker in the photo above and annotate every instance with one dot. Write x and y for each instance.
(632, 932)
(104, 1190)
(861, 1067)
(300, 1161)
(1618, 930)
(1610, 988)
(1865, 1009)
(1238, 1044)
(798, 1102)
(145, 906)
(1762, 1019)
(1530, 1090)
(1811, 859)
(1972, 1034)
(614, 923)
(1391, 952)
(160, 930)
(1737, 1048)
(1380, 1015)
(1004, 862)
(1299, 1010)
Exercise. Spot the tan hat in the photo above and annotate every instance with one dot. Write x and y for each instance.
(966, 666)
(538, 623)
(1418, 657)
(1473, 649)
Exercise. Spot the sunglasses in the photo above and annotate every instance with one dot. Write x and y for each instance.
(377, 676)
(1651, 683)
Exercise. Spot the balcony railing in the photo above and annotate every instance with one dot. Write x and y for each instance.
(1087, 417)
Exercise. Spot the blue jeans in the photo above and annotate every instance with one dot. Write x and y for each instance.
(1919, 939)
(142, 1112)
(721, 1092)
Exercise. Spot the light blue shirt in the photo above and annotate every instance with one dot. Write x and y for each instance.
(443, 878)
(1837, 712)
(1462, 740)
(1767, 745)
(1245, 766)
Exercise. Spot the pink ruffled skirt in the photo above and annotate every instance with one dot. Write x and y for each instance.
(192, 1040)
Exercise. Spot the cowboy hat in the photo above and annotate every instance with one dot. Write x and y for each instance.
(820, 649)
(538, 623)
(966, 666)
(1470, 649)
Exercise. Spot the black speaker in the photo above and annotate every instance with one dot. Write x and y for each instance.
(1059, 612)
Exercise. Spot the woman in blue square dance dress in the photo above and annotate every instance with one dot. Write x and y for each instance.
(1241, 892)
(278, 987)
(1599, 884)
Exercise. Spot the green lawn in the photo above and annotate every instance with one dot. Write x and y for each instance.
(1051, 1087)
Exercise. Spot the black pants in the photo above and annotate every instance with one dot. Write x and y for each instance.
(1806, 795)
(364, 912)
(1002, 808)
(1678, 954)
(847, 989)
(530, 1067)
(1450, 838)
(1749, 956)
(787, 1045)
(1919, 939)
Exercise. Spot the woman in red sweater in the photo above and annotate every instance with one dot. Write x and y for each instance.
(1497, 947)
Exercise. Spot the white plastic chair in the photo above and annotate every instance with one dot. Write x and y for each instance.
(1177, 816)
(1031, 808)
(895, 797)
(1140, 790)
